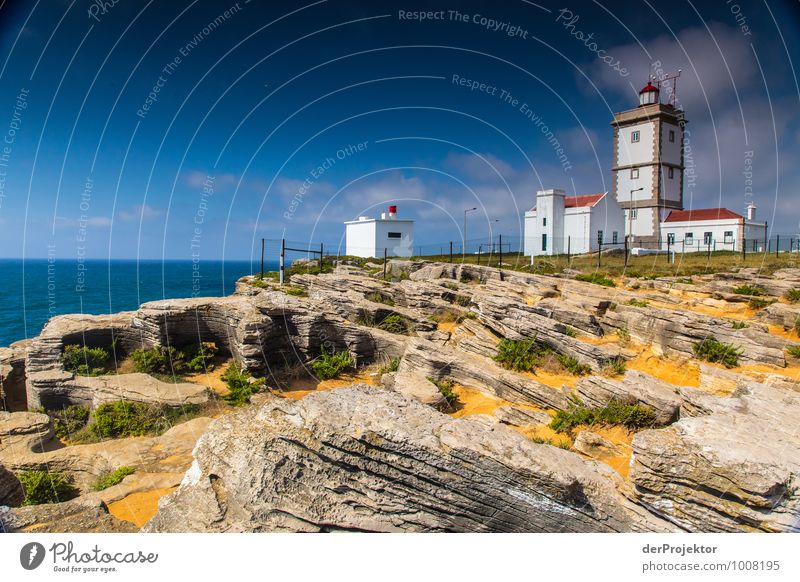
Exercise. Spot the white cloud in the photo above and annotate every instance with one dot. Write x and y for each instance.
(140, 212)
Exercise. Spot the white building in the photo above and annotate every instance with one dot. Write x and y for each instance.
(719, 229)
(368, 237)
(576, 224)
(647, 168)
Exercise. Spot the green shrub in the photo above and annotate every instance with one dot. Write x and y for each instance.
(295, 291)
(793, 295)
(617, 366)
(378, 297)
(259, 283)
(330, 365)
(638, 303)
(85, 361)
(572, 365)
(596, 278)
(199, 357)
(748, 290)
(793, 351)
(757, 303)
(520, 355)
(150, 361)
(392, 366)
(241, 386)
(624, 335)
(451, 286)
(395, 323)
(124, 418)
(739, 325)
(69, 420)
(462, 300)
(448, 315)
(712, 350)
(111, 478)
(548, 441)
(571, 331)
(631, 416)
(45, 487)
(445, 387)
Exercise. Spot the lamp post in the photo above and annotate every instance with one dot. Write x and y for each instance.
(464, 244)
(630, 213)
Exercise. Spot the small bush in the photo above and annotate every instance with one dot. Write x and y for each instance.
(451, 286)
(330, 365)
(631, 416)
(446, 389)
(124, 418)
(462, 300)
(748, 290)
(712, 350)
(616, 367)
(448, 315)
(793, 351)
(294, 291)
(520, 355)
(85, 361)
(69, 420)
(793, 295)
(739, 325)
(571, 331)
(638, 303)
(757, 303)
(392, 366)
(45, 487)
(572, 365)
(548, 441)
(241, 386)
(112, 478)
(596, 278)
(395, 323)
(377, 297)
(624, 335)
(150, 361)
(259, 283)
(199, 358)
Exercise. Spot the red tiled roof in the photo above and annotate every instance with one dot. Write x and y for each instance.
(581, 200)
(701, 214)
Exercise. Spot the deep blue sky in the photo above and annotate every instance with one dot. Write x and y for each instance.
(278, 88)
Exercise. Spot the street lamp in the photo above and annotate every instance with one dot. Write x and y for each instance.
(630, 213)
(464, 244)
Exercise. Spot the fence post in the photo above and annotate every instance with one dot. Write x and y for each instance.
(480, 247)
(709, 249)
(451, 251)
(669, 246)
(501, 251)
(385, 260)
(261, 273)
(569, 253)
(777, 246)
(599, 252)
(626, 251)
(744, 249)
(321, 250)
(283, 262)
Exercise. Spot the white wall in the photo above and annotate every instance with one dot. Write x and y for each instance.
(624, 184)
(642, 224)
(671, 189)
(640, 152)
(530, 233)
(607, 216)
(360, 238)
(402, 247)
(698, 228)
(671, 151)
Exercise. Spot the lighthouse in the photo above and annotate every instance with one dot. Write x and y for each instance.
(647, 167)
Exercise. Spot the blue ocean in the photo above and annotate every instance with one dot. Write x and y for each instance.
(36, 289)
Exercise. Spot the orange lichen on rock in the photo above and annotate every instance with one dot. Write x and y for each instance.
(138, 508)
(304, 386)
(679, 372)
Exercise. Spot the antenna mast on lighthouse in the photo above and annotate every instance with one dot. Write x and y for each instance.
(671, 81)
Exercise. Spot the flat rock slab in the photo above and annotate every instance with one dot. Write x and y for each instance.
(139, 387)
(366, 459)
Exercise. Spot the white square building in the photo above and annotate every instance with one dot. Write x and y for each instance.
(576, 224)
(369, 237)
(715, 229)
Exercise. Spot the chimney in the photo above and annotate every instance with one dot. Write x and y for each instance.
(751, 211)
(392, 212)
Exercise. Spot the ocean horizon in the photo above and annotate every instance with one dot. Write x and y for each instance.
(38, 289)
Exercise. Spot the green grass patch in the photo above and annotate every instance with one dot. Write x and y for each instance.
(241, 385)
(111, 478)
(793, 295)
(85, 361)
(572, 365)
(638, 303)
(330, 365)
(553, 443)
(616, 367)
(631, 416)
(124, 418)
(596, 278)
(445, 388)
(169, 361)
(294, 291)
(758, 303)
(571, 331)
(448, 315)
(395, 323)
(391, 366)
(739, 325)
(793, 351)
(46, 487)
(520, 355)
(259, 283)
(378, 297)
(748, 290)
(69, 420)
(462, 300)
(713, 350)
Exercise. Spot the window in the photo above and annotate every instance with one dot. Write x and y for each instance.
(544, 221)
(688, 238)
(599, 237)
(728, 237)
(707, 237)
(672, 135)
(671, 173)
(634, 173)
(670, 238)
(634, 136)
(614, 237)
(544, 242)
(395, 235)
(633, 213)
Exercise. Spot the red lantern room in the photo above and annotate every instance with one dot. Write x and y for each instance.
(648, 95)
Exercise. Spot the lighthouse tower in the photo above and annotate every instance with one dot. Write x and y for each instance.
(647, 168)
